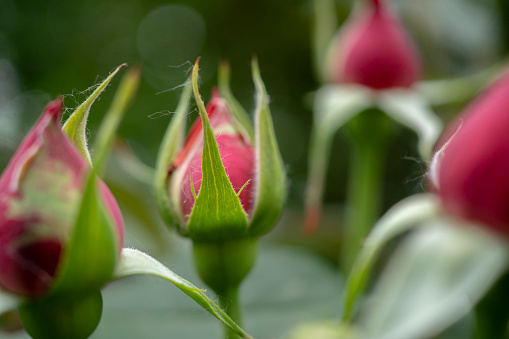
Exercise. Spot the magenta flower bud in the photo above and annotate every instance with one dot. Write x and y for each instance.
(373, 50)
(237, 155)
(40, 197)
(471, 169)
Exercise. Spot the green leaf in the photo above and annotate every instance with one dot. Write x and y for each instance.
(236, 108)
(217, 213)
(434, 278)
(334, 106)
(270, 172)
(8, 301)
(411, 109)
(172, 143)
(135, 262)
(123, 98)
(91, 254)
(408, 213)
(76, 124)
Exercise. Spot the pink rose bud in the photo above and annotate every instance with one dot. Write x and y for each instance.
(471, 170)
(40, 196)
(237, 155)
(373, 50)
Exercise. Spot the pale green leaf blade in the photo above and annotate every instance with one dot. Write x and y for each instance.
(76, 124)
(408, 213)
(334, 106)
(172, 143)
(436, 277)
(135, 262)
(412, 110)
(270, 191)
(324, 29)
(217, 212)
(8, 301)
(236, 108)
(91, 254)
(123, 98)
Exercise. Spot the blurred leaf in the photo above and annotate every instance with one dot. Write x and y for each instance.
(76, 124)
(435, 278)
(170, 146)
(271, 175)
(410, 212)
(334, 106)
(8, 301)
(238, 111)
(217, 203)
(414, 111)
(324, 28)
(135, 262)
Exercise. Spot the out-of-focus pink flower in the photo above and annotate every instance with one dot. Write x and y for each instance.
(40, 196)
(473, 168)
(237, 155)
(373, 50)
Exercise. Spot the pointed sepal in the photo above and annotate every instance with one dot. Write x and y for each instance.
(172, 143)
(76, 124)
(270, 180)
(217, 213)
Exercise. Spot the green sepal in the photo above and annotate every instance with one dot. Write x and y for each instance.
(236, 108)
(172, 143)
(76, 124)
(217, 212)
(134, 262)
(121, 101)
(270, 172)
(91, 254)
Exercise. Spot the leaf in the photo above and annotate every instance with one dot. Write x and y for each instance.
(135, 262)
(76, 124)
(123, 98)
(8, 301)
(408, 213)
(434, 278)
(238, 111)
(334, 106)
(217, 212)
(270, 182)
(411, 109)
(170, 146)
(91, 254)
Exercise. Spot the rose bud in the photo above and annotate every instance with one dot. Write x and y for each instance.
(372, 49)
(40, 196)
(470, 170)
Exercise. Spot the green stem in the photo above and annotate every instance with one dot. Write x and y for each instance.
(369, 133)
(229, 302)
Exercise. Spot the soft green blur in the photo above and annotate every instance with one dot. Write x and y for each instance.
(64, 47)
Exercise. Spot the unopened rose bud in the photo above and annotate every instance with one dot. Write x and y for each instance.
(373, 50)
(470, 171)
(40, 196)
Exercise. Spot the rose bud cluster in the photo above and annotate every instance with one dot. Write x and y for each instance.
(372, 49)
(470, 170)
(40, 196)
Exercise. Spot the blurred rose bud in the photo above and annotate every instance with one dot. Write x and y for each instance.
(235, 149)
(40, 197)
(470, 171)
(372, 49)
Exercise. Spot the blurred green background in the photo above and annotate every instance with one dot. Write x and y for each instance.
(50, 48)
